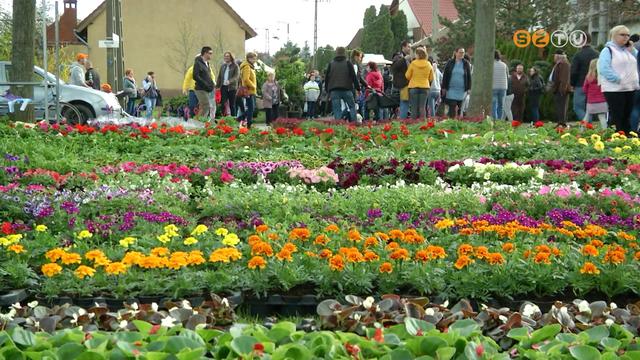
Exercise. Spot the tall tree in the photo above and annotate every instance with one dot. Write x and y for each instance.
(457, 33)
(377, 35)
(22, 54)
(368, 32)
(324, 56)
(485, 40)
(305, 53)
(400, 28)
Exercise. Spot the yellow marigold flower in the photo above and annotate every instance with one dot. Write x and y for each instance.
(225, 255)
(164, 238)
(54, 254)
(325, 253)
(199, 230)
(566, 135)
(102, 261)
(257, 262)
(627, 147)
(386, 267)
(17, 248)
(115, 268)
(583, 141)
(71, 258)
(222, 232)
(444, 224)
(633, 134)
(400, 254)
(589, 268)
(190, 241)
(595, 137)
(336, 263)
(495, 258)
(332, 228)
(171, 230)
(41, 228)
(128, 241)
(51, 269)
(94, 254)
(370, 256)
(132, 258)
(262, 228)
(462, 262)
(617, 149)
(84, 234)
(599, 145)
(160, 251)
(465, 249)
(83, 271)
(589, 250)
(231, 239)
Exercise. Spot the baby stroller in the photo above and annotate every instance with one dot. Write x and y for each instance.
(378, 100)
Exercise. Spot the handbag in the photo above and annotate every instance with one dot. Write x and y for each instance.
(242, 91)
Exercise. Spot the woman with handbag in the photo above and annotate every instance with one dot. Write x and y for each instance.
(150, 88)
(130, 89)
(248, 89)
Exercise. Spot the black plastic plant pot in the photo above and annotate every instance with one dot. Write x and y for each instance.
(12, 296)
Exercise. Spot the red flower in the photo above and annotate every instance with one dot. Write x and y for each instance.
(353, 350)
(154, 329)
(480, 350)
(264, 132)
(394, 137)
(384, 137)
(515, 123)
(298, 132)
(211, 132)
(232, 138)
(225, 177)
(366, 137)
(7, 228)
(281, 131)
(243, 130)
(589, 126)
(329, 131)
(87, 336)
(538, 124)
(258, 348)
(387, 127)
(378, 336)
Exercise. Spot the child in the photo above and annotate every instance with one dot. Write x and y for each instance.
(596, 103)
(311, 95)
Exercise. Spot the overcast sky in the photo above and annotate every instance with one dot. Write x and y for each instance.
(338, 20)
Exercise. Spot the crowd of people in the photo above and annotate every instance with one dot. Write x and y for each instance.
(604, 85)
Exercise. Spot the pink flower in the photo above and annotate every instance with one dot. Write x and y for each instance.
(225, 177)
(563, 193)
(544, 190)
(482, 199)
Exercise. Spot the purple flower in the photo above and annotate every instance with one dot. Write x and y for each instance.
(403, 217)
(374, 213)
(69, 207)
(10, 157)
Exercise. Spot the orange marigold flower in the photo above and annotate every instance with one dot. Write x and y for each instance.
(321, 239)
(400, 254)
(150, 262)
(543, 249)
(555, 251)
(55, 254)
(16, 248)
(481, 252)
(354, 235)
(160, 251)
(178, 259)
(597, 243)
(508, 247)
(71, 258)
(196, 257)
(614, 256)
(589, 268)
(83, 271)
(462, 222)
(132, 258)
(542, 258)
(625, 236)
(466, 231)
(325, 253)
(273, 236)
(382, 236)
(371, 256)
(332, 228)
(115, 268)
(422, 255)
(436, 252)
(51, 269)
(261, 248)
(495, 258)
(462, 262)
(396, 234)
(355, 256)
(283, 255)
(589, 250)
(262, 228)
(253, 239)
(290, 247)
(299, 234)
(392, 246)
(386, 267)
(94, 254)
(336, 263)
(257, 262)
(526, 254)
(310, 254)
(370, 241)
(637, 256)
(465, 249)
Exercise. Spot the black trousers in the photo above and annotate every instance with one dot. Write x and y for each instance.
(561, 103)
(271, 113)
(455, 107)
(620, 107)
(228, 94)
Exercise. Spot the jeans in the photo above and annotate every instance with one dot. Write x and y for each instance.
(150, 104)
(203, 103)
(336, 105)
(506, 111)
(579, 102)
(131, 106)
(418, 100)
(230, 95)
(404, 109)
(311, 109)
(193, 103)
(432, 100)
(498, 103)
(534, 106)
(635, 113)
(248, 107)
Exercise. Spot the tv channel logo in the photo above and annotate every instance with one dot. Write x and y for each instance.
(541, 38)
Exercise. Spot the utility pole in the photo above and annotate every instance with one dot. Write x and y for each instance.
(111, 66)
(114, 55)
(315, 32)
(435, 20)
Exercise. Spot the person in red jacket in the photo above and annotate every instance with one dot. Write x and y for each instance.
(596, 103)
(375, 82)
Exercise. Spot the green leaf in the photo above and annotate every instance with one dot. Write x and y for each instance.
(153, 355)
(276, 335)
(429, 345)
(631, 355)
(445, 353)
(597, 333)
(401, 354)
(142, 326)
(610, 344)
(584, 352)
(70, 351)
(413, 325)
(243, 345)
(195, 354)
(545, 333)
(207, 334)
(610, 356)
(519, 334)
(286, 325)
(190, 334)
(292, 351)
(22, 337)
(465, 327)
(90, 355)
(175, 344)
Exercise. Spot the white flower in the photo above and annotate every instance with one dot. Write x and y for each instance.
(530, 309)
(430, 312)
(134, 306)
(468, 162)
(583, 306)
(503, 318)
(487, 176)
(454, 168)
(609, 322)
(8, 316)
(16, 306)
(225, 302)
(33, 304)
(154, 307)
(483, 307)
(168, 322)
(613, 306)
(357, 317)
(446, 303)
(368, 302)
(123, 324)
(186, 304)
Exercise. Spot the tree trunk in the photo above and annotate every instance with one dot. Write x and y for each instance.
(485, 42)
(23, 50)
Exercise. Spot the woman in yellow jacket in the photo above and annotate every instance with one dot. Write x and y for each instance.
(189, 89)
(420, 75)
(249, 85)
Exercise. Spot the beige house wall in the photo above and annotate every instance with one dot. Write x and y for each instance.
(164, 37)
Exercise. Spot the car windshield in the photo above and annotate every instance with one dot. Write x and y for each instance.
(50, 76)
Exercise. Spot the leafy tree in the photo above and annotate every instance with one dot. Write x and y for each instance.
(378, 38)
(305, 53)
(368, 39)
(458, 33)
(399, 27)
(485, 40)
(288, 50)
(266, 58)
(324, 56)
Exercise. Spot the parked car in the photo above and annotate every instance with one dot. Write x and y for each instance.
(90, 103)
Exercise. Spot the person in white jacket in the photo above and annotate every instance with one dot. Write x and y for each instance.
(434, 92)
(77, 71)
(311, 95)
